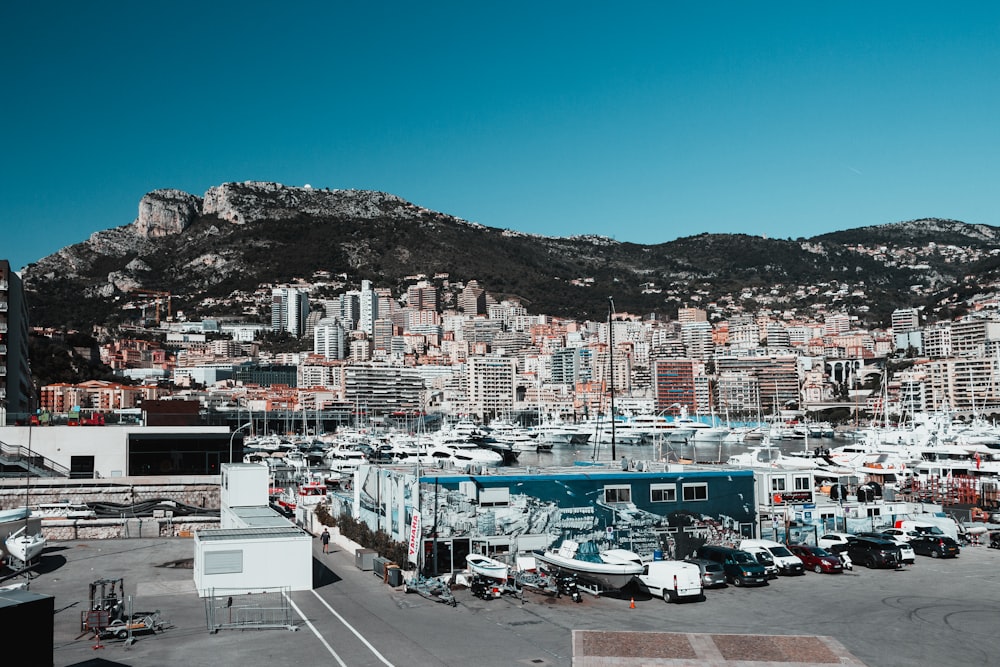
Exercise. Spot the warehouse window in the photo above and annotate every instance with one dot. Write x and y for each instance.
(697, 491)
(662, 493)
(618, 494)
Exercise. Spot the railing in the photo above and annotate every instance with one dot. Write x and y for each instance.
(243, 611)
(35, 464)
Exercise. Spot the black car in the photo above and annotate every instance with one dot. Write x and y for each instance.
(872, 552)
(935, 546)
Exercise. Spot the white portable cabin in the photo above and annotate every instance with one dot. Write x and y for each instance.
(256, 549)
(252, 560)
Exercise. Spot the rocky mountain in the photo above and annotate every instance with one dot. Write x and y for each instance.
(214, 253)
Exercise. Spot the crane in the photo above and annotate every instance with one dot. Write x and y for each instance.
(158, 297)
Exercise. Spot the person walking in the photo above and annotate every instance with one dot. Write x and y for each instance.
(325, 539)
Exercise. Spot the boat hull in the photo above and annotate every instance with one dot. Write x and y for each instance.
(607, 575)
(486, 567)
(24, 548)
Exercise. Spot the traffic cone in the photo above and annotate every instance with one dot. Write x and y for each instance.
(631, 603)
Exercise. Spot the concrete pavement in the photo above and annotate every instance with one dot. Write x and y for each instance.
(935, 612)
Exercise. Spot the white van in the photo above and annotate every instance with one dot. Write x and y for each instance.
(764, 557)
(672, 580)
(787, 562)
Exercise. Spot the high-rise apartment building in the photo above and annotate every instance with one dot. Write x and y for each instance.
(369, 301)
(697, 339)
(738, 395)
(964, 383)
(491, 386)
(349, 309)
(744, 332)
(777, 377)
(472, 300)
(330, 339)
(289, 309)
(674, 384)
(422, 296)
(382, 333)
(689, 315)
(974, 337)
(836, 323)
(376, 389)
(905, 320)
(777, 335)
(16, 393)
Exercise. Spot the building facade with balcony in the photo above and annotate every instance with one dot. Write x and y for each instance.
(16, 393)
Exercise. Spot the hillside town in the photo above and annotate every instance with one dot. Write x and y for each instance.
(451, 348)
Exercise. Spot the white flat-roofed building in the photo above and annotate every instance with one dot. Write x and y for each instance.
(256, 549)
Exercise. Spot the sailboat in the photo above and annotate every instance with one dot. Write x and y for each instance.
(24, 547)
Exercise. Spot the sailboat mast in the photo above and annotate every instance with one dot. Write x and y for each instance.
(611, 372)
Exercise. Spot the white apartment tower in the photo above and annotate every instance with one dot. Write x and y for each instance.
(491, 386)
(369, 308)
(330, 338)
(289, 309)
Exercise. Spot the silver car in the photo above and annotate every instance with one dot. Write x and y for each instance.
(712, 573)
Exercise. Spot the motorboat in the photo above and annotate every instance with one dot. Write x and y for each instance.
(766, 456)
(344, 458)
(611, 570)
(23, 546)
(464, 454)
(311, 493)
(486, 566)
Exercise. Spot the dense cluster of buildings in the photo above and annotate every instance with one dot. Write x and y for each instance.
(452, 348)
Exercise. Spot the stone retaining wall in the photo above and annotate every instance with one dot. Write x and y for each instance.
(56, 530)
(124, 492)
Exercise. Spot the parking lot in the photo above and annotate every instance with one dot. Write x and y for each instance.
(935, 612)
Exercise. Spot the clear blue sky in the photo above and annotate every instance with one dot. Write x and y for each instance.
(642, 121)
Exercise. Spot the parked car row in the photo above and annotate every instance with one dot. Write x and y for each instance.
(757, 561)
(891, 547)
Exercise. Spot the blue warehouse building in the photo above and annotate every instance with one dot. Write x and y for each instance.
(666, 512)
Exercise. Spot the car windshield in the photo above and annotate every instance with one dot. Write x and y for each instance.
(818, 551)
(764, 558)
(743, 558)
(780, 552)
(929, 530)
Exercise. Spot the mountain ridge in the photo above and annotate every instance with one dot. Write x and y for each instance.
(239, 236)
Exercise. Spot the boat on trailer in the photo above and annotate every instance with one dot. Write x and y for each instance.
(611, 570)
(485, 566)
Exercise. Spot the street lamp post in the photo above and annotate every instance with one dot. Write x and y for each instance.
(231, 437)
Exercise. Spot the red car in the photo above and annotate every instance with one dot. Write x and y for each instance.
(817, 559)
